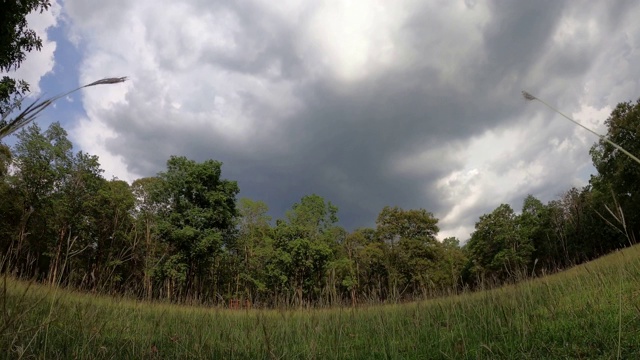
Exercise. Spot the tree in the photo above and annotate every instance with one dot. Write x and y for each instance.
(253, 247)
(497, 249)
(198, 218)
(10, 209)
(411, 237)
(349, 265)
(394, 223)
(453, 260)
(147, 210)
(16, 39)
(585, 233)
(42, 163)
(305, 244)
(72, 217)
(59, 226)
(5, 160)
(535, 225)
(112, 245)
(313, 215)
(618, 174)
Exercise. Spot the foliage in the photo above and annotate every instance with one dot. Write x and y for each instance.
(16, 39)
(618, 174)
(197, 219)
(498, 248)
(182, 236)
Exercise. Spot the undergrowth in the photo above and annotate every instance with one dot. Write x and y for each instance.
(590, 311)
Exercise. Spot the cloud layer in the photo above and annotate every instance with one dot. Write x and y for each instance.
(410, 103)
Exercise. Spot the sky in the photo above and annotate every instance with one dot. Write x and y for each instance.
(409, 103)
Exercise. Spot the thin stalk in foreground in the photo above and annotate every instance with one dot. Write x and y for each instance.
(530, 97)
(31, 112)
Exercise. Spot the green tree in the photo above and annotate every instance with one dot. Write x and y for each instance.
(198, 219)
(81, 182)
(253, 248)
(497, 249)
(306, 244)
(113, 248)
(618, 174)
(535, 225)
(147, 210)
(349, 263)
(57, 224)
(453, 260)
(585, 232)
(394, 223)
(16, 39)
(42, 162)
(5, 160)
(413, 247)
(10, 209)
(312, 215)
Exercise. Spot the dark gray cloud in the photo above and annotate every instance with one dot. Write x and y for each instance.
(418, 107)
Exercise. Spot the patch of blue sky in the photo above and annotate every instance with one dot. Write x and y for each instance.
(62, 78)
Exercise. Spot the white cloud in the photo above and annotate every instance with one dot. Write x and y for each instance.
(525, 158)
(538, 157)
(92, 139)
(353, 39)
(412, 100)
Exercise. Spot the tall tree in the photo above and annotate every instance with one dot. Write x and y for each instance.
(42, 161)
(307, 244)
(411, 237)
(618, 173)
(10, 209)
(497, 248)
(253, 247)
(72, 218)
(113, 248)
(147, 209)
(535, 225)
(586, 233)
(313, 215)
(452, 262)
(199, 217)
(16, 39)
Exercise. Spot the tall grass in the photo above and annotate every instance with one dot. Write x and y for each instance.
(30, 113)
(591, 311)
(530, 97)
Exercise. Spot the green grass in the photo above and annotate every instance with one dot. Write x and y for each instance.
(591, 311)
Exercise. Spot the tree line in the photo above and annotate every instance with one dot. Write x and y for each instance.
(183, 235)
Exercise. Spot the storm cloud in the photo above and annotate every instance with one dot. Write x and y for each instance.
(408, 103)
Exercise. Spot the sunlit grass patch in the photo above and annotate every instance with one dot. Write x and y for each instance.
(590, 311)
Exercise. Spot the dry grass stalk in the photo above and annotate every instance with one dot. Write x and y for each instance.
(530, 97)
(32, 111)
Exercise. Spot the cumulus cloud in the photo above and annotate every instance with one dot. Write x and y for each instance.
(411, 103)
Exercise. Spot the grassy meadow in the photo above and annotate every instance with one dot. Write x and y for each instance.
(591, 311)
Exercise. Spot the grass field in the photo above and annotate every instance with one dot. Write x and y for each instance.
(590, 311)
